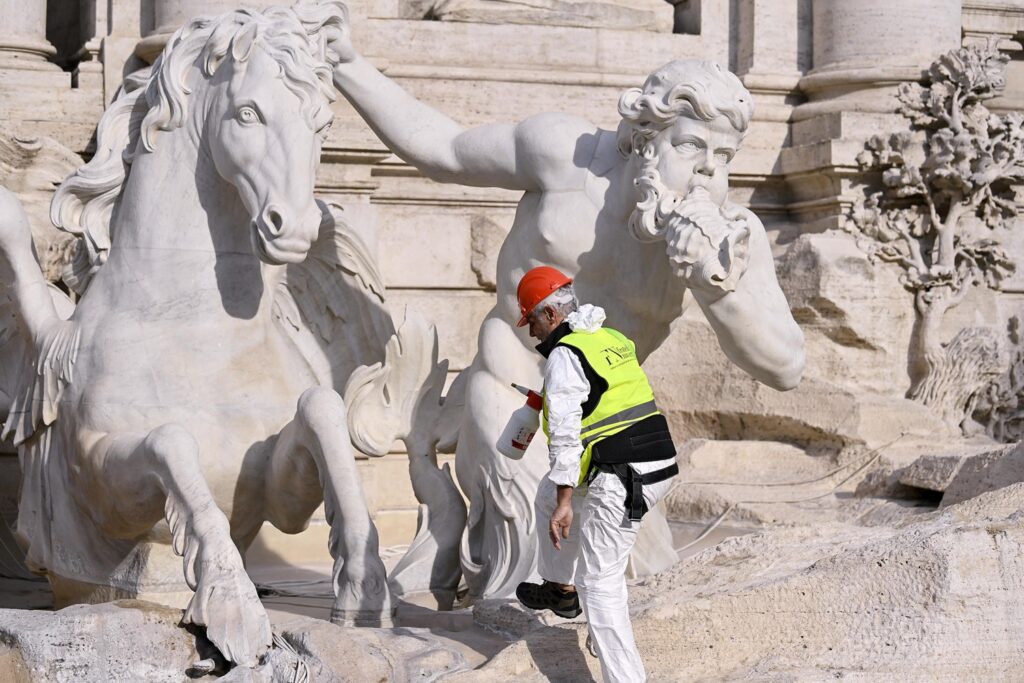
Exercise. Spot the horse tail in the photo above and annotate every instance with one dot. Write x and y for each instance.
(499, 545)
(401, 397)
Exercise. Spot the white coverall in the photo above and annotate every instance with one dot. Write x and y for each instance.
(601, 536)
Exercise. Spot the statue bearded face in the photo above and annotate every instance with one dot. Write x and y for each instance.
(688, 155)
(692, 153)
(681, 130)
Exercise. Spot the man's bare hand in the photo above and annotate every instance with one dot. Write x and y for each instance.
(561, 520)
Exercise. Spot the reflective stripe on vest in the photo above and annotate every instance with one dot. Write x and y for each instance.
(627, 400)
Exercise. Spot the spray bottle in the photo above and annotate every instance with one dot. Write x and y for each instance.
(523, 424)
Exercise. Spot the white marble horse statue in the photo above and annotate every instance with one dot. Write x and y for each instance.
(224, 313)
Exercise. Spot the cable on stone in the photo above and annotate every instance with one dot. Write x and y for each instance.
(874, 455)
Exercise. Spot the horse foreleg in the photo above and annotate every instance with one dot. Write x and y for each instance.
(145, 477)
(314, 456)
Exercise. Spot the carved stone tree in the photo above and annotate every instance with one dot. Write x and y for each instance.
(947, 195)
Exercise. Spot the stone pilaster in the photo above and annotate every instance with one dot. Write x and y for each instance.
(861, 52)
(769, 51)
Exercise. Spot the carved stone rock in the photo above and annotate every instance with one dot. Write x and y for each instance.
(129, 641)
(935, 599)
(31, 167)
(996, 469)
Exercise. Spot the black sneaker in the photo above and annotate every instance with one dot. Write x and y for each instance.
(549, 596)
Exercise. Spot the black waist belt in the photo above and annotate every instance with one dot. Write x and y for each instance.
(646, 441)
(634, 483)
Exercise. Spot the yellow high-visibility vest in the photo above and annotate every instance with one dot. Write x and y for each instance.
(627, 397)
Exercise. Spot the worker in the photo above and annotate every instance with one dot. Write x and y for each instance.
(611, 459)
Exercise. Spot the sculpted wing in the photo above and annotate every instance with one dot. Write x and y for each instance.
(31, 380)
(332, 304)
(37, 345)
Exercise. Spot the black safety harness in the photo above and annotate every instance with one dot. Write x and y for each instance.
(646, 441)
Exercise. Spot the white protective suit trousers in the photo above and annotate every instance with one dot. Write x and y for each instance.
(594, 558)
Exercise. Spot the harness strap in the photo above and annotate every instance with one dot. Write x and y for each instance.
(634, 483)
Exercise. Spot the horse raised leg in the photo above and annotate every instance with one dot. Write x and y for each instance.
(142, 478)
(313, 457)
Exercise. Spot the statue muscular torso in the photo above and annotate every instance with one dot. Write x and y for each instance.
(579, 193)
(581, 229)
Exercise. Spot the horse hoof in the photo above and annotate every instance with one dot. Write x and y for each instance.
(225, 602)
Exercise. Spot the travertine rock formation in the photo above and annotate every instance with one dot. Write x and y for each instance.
(934, 599)
(133, 641)
(31, 167)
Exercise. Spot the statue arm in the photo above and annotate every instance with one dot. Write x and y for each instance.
(536, 154)
(754, 325)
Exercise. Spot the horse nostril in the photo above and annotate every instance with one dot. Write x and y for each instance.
(275, 223)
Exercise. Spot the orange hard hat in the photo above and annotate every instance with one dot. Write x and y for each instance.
(535, 286)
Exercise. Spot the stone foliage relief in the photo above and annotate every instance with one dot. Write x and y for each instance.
(196, 388)
(947, 201)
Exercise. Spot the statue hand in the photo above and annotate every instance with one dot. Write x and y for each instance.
(707, 248)
(338, 40)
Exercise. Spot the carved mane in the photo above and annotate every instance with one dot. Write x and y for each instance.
(156, 100)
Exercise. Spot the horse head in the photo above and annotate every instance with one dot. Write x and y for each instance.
(252, 89)
(267, 108)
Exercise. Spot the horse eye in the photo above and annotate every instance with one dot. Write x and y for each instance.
(247, 115)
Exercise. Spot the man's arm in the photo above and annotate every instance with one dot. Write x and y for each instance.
(754, 325)
(565, 389)
(535, 154)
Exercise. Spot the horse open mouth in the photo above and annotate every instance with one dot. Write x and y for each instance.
(278, 251)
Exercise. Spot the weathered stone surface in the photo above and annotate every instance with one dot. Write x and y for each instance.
(989, 471)
(123, 641)
(839, 297)
(908, 466)
(703, 395)
(757, 483)
(935, 599)
(487, 237)
(932, 472)
(31, 167)
(139, 641)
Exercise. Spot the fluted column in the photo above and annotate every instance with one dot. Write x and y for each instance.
(863, 49)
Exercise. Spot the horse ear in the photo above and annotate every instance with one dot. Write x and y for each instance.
(241, 46)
